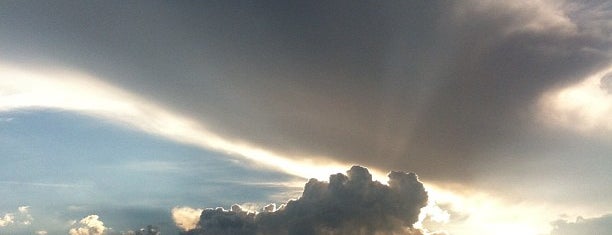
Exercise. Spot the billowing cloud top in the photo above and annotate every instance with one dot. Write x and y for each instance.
(347, 204)
(89, 225)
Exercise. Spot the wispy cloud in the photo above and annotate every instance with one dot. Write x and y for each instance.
(32, 88)
(39, 184)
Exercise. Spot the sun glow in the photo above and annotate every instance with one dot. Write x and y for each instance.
(467, 211)
(585, 106)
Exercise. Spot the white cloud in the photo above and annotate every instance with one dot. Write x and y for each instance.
(23, 209)
(186, 218)
(89, 225)
(6, 219)
(21, 216)
(41, 232)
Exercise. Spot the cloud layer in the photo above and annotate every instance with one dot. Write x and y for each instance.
(599, 225)
(456, 90)
(347, 204)
(444, 87)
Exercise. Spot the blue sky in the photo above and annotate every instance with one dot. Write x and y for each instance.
(73, 166)
(118, 115)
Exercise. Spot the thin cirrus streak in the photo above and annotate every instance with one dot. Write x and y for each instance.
(52, 185)
(27, 88)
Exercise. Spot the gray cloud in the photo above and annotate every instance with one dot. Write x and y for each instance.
(148, 230)
(347, 204)
(443, 87)
(599, 225)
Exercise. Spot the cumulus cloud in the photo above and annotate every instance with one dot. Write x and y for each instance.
(582, 226)
(6, 219)
(41, 232)
(24, 214)
(186, 218)
(21, 216)
(89, 225)
(349, 203)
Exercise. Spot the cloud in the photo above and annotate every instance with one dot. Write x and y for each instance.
(41, 232)
(22, 216)
(434, 86)
(89, 225)
(149, 230)
(186, 218)
(585, 106)
(442, 87)
(78, 92)
(347, 204)
(25, 216)
(431, 86)
(6, 220)
(597, 225)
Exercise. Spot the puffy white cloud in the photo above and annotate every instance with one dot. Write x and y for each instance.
(186, 218)
(22, 216)
(6, 219)
(89, 225)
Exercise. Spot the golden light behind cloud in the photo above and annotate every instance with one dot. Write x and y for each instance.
(585, 106)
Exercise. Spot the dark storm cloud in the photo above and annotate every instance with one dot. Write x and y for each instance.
(347, 204)
(432, 85)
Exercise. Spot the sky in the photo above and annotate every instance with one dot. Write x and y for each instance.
(117, 115)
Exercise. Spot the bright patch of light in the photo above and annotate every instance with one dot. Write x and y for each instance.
(465, 212)
(585, 107)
